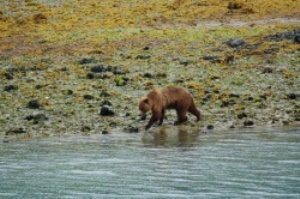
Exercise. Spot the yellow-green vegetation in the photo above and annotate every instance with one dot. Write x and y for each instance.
(74, 56)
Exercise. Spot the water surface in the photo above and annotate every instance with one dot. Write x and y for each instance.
(261, 163)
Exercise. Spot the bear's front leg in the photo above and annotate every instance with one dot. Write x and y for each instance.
(162, 117)
(154, 118)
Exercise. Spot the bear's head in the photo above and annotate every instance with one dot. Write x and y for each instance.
(144, 105)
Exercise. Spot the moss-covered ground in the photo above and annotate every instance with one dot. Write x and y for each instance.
(61, 61)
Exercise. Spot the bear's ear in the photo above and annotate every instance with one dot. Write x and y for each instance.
(146, 100)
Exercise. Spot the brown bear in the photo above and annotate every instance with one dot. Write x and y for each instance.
(171, 97)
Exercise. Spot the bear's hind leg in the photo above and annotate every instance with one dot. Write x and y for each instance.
(193, 110)
(181, 116)
(162, 117)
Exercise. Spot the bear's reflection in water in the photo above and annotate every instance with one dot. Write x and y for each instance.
(167, 136)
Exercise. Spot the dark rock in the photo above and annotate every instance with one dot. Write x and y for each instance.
(106, 103)
(148, 75)
(297, 39)
(263, 97)
(233, 5)
(112, 124)
(109, 68)
(88, 97)
(86, 61)
(97, 69)
(85, 129)
(292, 96)
(142, 117)
(268, 69)
(69, 92)
(33, 104)
(105, 132)
(38, 87)
(210, 127)
(248, 123)
(207, 98)
(10, 88)
(185, 63)
(242, 115)
(271, 50)
(234, 43)
(212, 58)
(229, 59)
(90, 76)
(289, 35)
(9, 76)
(161, 75)
(104, 94)
(36, 118)
(133, 129)
(250, 98)
(227, 103)
(234, 95)
(106, 111)
(15, 131)
(143, 57)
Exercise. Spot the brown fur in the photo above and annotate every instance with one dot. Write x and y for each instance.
(171, 97)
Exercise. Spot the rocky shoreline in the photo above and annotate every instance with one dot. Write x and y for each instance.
(240, 76)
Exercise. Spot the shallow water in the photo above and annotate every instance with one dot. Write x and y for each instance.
(249, 163)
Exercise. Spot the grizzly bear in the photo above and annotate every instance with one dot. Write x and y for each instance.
(171, 97)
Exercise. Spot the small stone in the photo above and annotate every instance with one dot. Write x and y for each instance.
(69, 92)
(33, 104)
(112, 124)
(210, 127)
(106, 111)
(235, 42)
(90, 76)
(297, 39)
(185, 63)
(292, 96)
(86, 61)
(38, 87)
(248, 123)
(104, 94)
(143, 57)
(268, 69)
(212, 59)
(9, 76)
(88, 97)
(106, 103)
(234, 95)
(15, 131)
(10, 88)
(37, 117)
(234, 5)
(85, 129)
(105, 132)
(97, 69)
(133, 129)
(141, 117)
(242, 115)
(148, 75)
